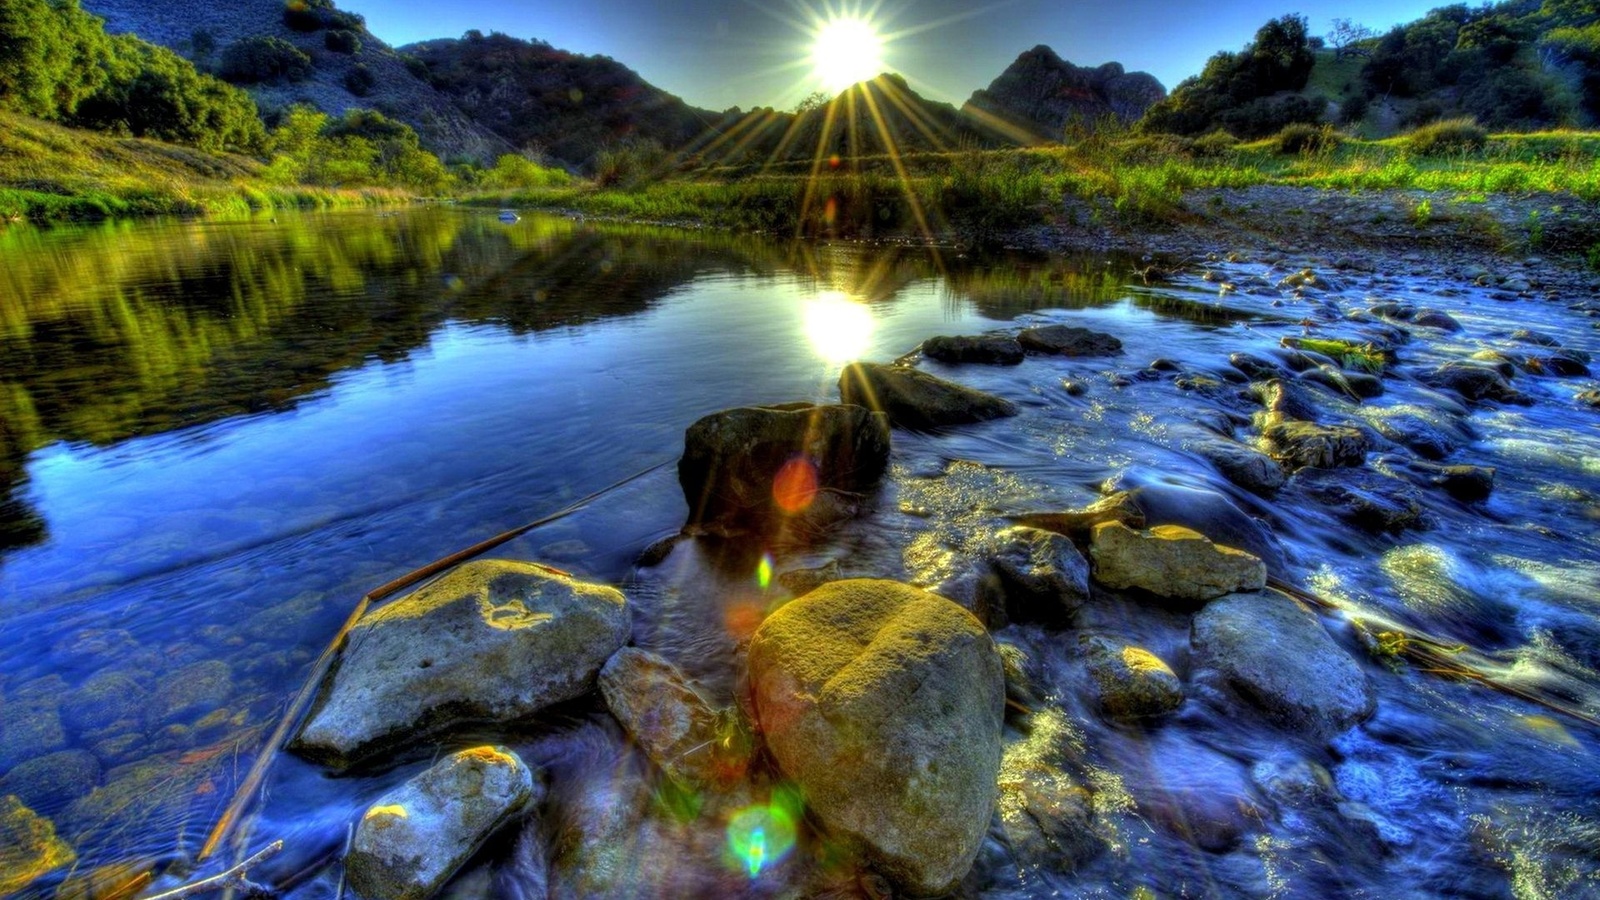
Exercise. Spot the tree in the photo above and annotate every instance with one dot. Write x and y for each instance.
(256, 59)
(1349, 39)
(50, 56)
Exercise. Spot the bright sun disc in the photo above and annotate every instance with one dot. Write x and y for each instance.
(846, 51)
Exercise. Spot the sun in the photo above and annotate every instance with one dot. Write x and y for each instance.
(846, 50)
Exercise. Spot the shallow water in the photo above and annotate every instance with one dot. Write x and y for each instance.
(214, 437)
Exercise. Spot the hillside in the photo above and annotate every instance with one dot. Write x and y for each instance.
(1040, 93)
(203, 32)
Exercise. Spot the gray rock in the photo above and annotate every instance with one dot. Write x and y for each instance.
(415, 837)
(1433, 318)
(1069, 340)
(990, 349)
(1474, 381)
(1276, 655)
(1244, 466)
(1131, 682)
(1171, 561)
(1043, 575)
(1299, 445)
(915, 399)
(885, 704)
(492, 641)
(1368, 500)
(733, 459)
(696, 746)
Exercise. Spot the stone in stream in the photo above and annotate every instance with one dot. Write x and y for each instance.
(1299, 445)
(755, 468)
(1046, 816)
(1428, 433)
(1277, 657)
(493, 641)
(1369, 500)
(1144, 499)
(1433, 318)
(415, 837)
(695, 745)
(1285, 399)
(1248, 468)
(884, 703)
(1474, 381)
(1589, 398)
(915, 399)
(989, 349)
(1068, 340)
(1171, 561)
(1565, 364)
(1254, 367)
(29, 848)
(53, 780)
(1537, 338)
(1131, 682)
(1466, 483)
(1042, 574)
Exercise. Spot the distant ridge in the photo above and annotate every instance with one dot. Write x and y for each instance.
(1038, 94)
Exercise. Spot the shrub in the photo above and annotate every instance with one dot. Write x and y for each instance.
(1303, 138)
(514, 172)
(1215, 143)
(341, 40)
(261, 58)
(305, 15)
(1447, 136)
(629, 164)
(360, 80)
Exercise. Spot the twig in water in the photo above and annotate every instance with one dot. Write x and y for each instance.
(234, 877)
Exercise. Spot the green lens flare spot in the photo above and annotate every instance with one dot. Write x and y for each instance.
(760, 836)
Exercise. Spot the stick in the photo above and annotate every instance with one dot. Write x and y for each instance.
(291, 714)
(224, 879)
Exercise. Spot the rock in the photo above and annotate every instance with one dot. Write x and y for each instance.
(1299, 445)
(29, 848)
(1537, 338)
(799, 581)
(415, 837)
(1046, 817)
(1469, 484)
(1068, 340)
(1294, 781)
(1425, 432)
(1171, 561)
(1277, 656)
(1433, 318)
(672, 723)
(1042, 574)
(1392, 310)
(1040, 94)
(106, 698)
(1132, 682)
(1155, 502)
(1074, 387)
(192, 691)
(1365, 386)
(1244, 466)
(1285, 399)
(30, 726)
(1503, 363)
(1368, 500)
(53, 780)
(1254, 367)
(1589, 398)
(492, 641)
(753, 467)
(1474, 382)
(990, 349)
(885, 703)
(915, 399)
(1563, 365)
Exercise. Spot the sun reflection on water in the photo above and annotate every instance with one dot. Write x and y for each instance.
(838, 329)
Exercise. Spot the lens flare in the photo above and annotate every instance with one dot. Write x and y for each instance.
(758, 837)
(845, 51)
(764, 571)
(838, 329)
(795, 485)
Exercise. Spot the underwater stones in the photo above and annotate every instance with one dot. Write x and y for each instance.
(914, 399)
(30, 725)
(53, 780)
(1131, 682)
(884, 703)
(1171, 561)
(492, 641)
(1068, 340)
(29, 848)
(1043, 575)
(1045, 816)
(1248, 468)
(1369, 500)
(1473, 381)
(416, 836)
(1300, 445)
(750, 467)
(989, 349)
(1276, 655)
(194, 689)
(672, 723)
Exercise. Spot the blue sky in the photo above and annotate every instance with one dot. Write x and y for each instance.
(721, 53)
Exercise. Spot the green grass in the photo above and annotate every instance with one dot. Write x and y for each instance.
(1350, 354)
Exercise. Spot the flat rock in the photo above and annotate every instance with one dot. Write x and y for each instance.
(694, 744)
(884, 703)
(914, 399)
(493, 641)
(990, 349)
(1245, 466)
(1298, 445)
(1131, 682)
(1277, 657)
(415, 837)
(1171, 561)
(1069, 340)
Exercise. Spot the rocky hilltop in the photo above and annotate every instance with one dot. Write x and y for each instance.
(1036, 96)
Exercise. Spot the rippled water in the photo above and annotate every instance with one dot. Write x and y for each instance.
(215, 437)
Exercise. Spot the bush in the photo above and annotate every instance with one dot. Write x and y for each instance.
(1215, 143)
(629, 164)
(304, 16)
(341, 40)
(1301, 137)
(360, 80)
(513, 172)
(1354, 109)
(256, 59)
(1447, 136)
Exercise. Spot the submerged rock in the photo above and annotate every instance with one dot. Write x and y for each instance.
(29, 848)
(1248, 468)
(1368, 500)
(694, 744)
(915, 399)
(1068, 340)
(990, 349)
(1043, 575)
(1300, 445)
(1046, 816)
(1277, 656)
(1171, 561)
(752, 467)
(53, 780)
(1433, 318)
(492, 641)
(1474, 381)
(1589, 398)
(1132, 682)
(885, 703)
(415, 837)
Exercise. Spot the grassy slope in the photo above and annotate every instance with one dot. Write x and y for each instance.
(51, 172)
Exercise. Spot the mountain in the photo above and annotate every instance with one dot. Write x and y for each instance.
(1039, 94)
(204, 32)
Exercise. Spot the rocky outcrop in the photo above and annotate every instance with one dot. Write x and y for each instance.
(990, 349)
(1040, 93)
(1171, 561)
(915, 399)
(415, 837)
(884, 703)
(1069, 340)
(492, 641)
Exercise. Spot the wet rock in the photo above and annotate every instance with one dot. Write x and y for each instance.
(1074, 387)
(1244, 466)
(1469, 484)
(696, 746)
(1193, 793)
(1131, 682)
(734, 460)
(1392, 310)
(1254, 367)
(1428, 434)
(30, 725)
(1364, 385)
(492, 641)
(915, 399)
(1285, 399)
(1046, 816)
(1078, 524)
(1474, 381)
(1171, 561)
(53, 780)
(800, 581)
(1564, 365)
(29, 848)
(191, 691)
(1068, 340)
(1589, 398)
(1278, 658)
(990, 349)
(1294, 781)
(415, 837)
(1433, 318)
(1537, 338)
(1298, 445)
(1042, 574)
(1369, 500)
(884, 703)
(1503, 363)
(1155, 502)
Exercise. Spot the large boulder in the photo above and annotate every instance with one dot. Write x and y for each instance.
(1276, 655)
(493, 641)
(1172, 561)
(1069, 340)
(990, 349)
(884, 702)
(415, 837)
(754, 468)
(695, 745)
(914, 399)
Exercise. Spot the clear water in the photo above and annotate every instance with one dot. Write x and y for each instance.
(216, 436)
